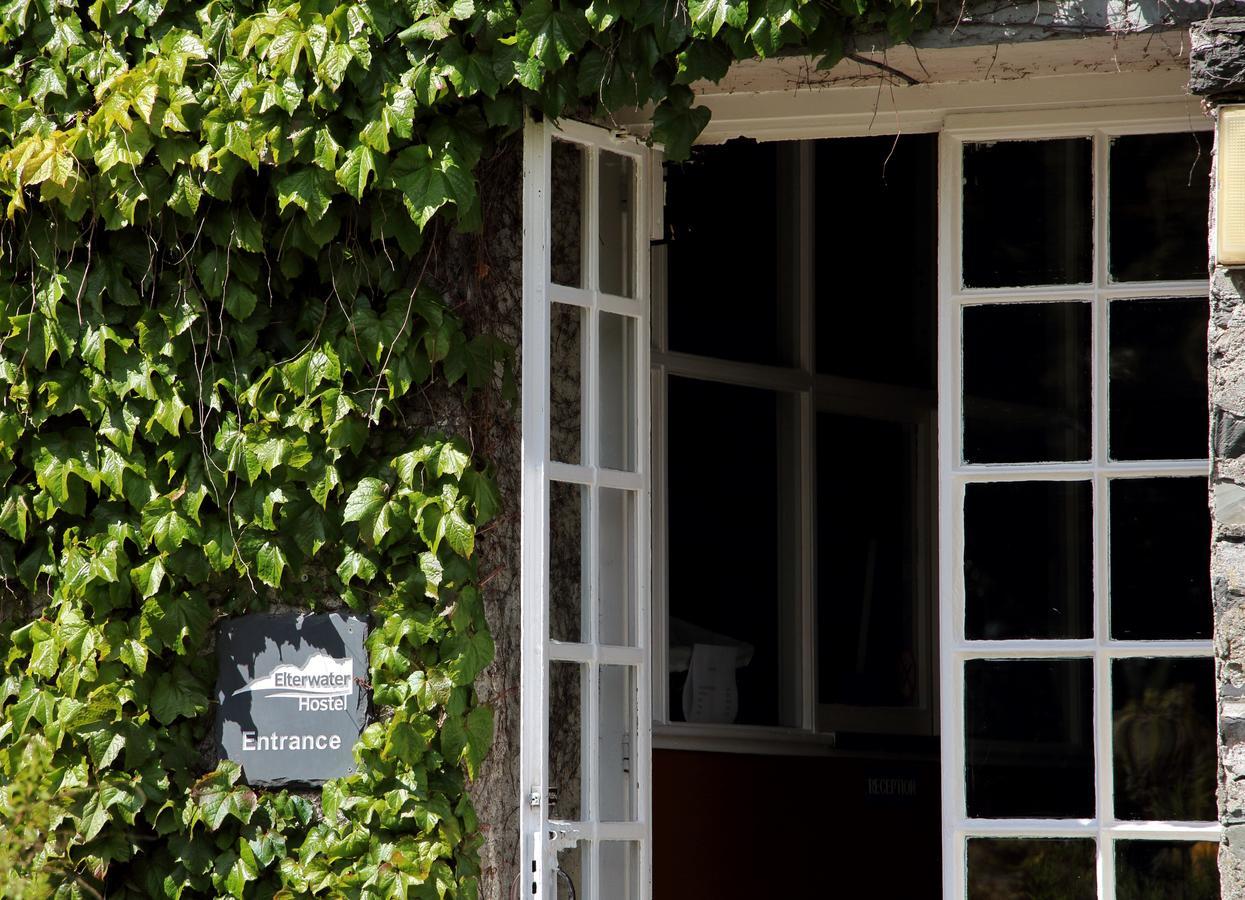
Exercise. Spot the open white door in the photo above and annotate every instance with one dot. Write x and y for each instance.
(586, 720)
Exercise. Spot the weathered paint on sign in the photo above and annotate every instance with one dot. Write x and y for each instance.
(291, 695)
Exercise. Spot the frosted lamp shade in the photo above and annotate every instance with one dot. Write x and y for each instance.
(1230, 188)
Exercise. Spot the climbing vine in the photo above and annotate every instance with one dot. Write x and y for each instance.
(216, 315)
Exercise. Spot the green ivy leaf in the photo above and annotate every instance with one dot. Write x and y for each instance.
(310, 189)
(46, 78)
(467, 739)
(358, 166)
(428, 183)
(404, 742)
(459, 533)
(104, 745)
(466, 655)
(453, 459)
(148, 577)
(551, 32)
(306, 373)
(711, 16)
(479, 728)
(270, 563)
(356, 565)
(431, 568)
(166, 526)
(304, 522)
(134, 654)
(703, 60)
(326, 150)
(93, 819)
(483, 493)
(245, 869)
(44, 656)
(171, 619)
(186, 195)
(217, 799)
(33, 702)
(366, 503)
(177, 693)
(677, 123)
(15, 513)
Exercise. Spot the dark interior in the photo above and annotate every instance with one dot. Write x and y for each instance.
(728, 825)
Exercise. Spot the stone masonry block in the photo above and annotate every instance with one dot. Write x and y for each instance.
(1217, 57)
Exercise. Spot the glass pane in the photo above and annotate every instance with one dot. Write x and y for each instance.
(892, 190)
(566, 360)
(1160, 559)
(1166, 870)
(620, 870)
(1028, 560)
(572, 875)
(729, 588)
(1163, 733)
(568, 586)
(1159, 189)
(1028, 213)
(616, 253)
(618, 391)
(617, 560)
(871, 564)
(566, 751)
(1031, 869)
(1158, 379)
(616, 752)
(568, 213)
(1027, 383)
(1029, 738)
(727, 267)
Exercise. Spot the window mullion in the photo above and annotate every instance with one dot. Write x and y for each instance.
(1105, 780)
(805, 202)
(806, 332)
(659, 550)
(1102, 183)
(658, 300)
(807, 623)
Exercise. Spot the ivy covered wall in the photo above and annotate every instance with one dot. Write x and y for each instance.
(257, 347)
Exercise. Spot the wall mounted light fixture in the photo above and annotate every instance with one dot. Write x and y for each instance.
(1230, 187)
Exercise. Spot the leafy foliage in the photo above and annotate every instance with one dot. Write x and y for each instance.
(213, 308)
(27, 808)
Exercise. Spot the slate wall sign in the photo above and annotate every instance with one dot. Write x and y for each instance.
(290, 695)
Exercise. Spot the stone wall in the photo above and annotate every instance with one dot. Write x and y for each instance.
(1218, 75)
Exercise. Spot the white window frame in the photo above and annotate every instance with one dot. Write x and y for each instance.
(954, 475)
(542, 834)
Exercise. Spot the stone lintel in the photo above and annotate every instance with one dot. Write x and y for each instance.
(1217, 59)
